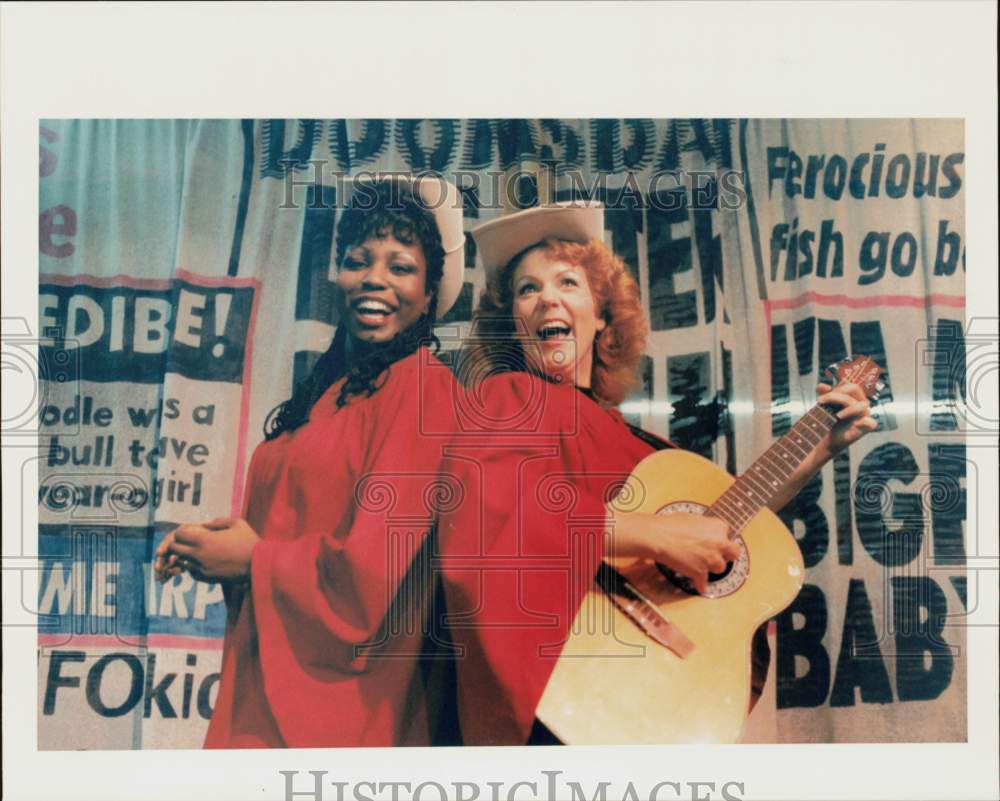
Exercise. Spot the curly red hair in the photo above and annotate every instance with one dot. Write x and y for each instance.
(617, 349)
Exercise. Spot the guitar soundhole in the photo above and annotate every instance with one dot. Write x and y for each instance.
(719, 584)
(723, 574)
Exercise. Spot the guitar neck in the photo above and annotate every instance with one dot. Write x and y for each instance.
(770, 473)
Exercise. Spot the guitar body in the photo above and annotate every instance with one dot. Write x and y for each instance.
(613, 684)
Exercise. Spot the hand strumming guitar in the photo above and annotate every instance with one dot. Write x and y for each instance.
(692, 545)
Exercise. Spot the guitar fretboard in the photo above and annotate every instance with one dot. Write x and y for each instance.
(765, 477)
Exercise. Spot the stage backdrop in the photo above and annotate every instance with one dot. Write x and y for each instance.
(185, 281)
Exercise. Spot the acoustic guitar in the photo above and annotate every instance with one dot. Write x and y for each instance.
(648, 659)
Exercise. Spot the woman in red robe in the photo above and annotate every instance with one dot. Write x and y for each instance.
(325, 575)
(559, 332)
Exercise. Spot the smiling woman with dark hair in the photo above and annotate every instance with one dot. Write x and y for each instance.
(312, 656)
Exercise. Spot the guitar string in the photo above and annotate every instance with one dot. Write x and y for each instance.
(737, 506)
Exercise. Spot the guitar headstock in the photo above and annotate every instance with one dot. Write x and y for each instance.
(860, 370)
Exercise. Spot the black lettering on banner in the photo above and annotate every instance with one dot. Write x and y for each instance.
(897, 176)
(863, 177)
(857, 186)
(95, 679)
(727, 420)
(623, 217)
(925, 183)
(813, 167)
(709, 246)
(609, 154)
(205, 704)
(866, 338)
(513, 139)
(461, 311)
(439, 155)
(694, 421)
(352, 154)
(900, 544)
(723, 141)
(806, 642)
(190, 660)
(315, 293)
(625, 224)
(919, 612)
(275, 160)
(835, 177)
(568, 154)
(158, 692)
(873, 257)
(606, 144)
(805, 507)
(860, 663)
(947, 351)
(781, 421)
(56, 679)
(876, 177)
(947, 464)
(831, 343)
(954, 181)
(804, 334)
(948, 250)
(712, 139)
(793, 171)
(670, 150)
(668, 257)
(829, 238)
(843, 508)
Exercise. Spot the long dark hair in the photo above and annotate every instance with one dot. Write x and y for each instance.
(376, 211)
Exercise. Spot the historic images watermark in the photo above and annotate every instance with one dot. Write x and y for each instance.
(320, 185)
(314, 785)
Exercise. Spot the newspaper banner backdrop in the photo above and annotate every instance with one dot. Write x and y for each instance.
(186, 280)
(855, 233)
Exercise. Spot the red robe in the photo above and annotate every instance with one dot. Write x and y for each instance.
(522, 548)
(337, 639)
(343, 506)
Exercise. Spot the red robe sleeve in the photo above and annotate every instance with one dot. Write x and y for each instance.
(324, 649)
(537, 462)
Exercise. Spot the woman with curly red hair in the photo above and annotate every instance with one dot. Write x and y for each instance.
(555, 344)
(620, 326)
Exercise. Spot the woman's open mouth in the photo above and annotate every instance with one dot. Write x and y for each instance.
(372, 311)
(554, 334)
(551, 331)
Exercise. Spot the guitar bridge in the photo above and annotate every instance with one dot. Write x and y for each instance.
(642, 611)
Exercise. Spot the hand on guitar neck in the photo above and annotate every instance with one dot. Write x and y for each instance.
(695, 545)
(853, 410)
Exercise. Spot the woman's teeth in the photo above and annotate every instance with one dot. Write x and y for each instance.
(553, 331)
(372, 308)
